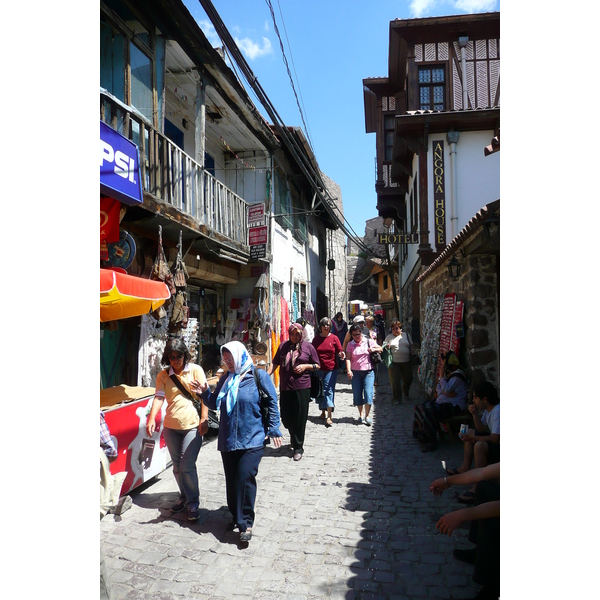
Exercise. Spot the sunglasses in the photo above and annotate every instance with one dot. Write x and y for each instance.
(174, 357)
(356, 334)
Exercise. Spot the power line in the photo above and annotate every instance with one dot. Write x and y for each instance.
(299, 153)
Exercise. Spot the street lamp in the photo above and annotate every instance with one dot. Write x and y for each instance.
(454, 268)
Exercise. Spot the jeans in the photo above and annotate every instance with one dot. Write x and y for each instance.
(329, 379)
(184, 447)
(362, 387)
(241, 468)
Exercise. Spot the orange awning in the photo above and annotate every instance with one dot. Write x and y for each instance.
(123, 296)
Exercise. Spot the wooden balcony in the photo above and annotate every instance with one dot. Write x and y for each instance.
(174, 177)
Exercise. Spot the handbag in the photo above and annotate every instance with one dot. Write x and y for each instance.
(386, 358)
(316, 385)
(264, 400)
(374, 357)
(213, 422)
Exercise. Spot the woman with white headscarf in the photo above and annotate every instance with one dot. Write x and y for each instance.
(242, 430)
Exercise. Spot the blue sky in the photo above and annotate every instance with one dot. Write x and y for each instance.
(330, 46)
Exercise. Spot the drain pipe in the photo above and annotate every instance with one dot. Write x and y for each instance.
(452, 137)
(462, 44)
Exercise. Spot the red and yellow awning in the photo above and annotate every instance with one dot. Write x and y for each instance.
(123, 296)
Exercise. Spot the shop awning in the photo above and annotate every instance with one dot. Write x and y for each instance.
(123, 296)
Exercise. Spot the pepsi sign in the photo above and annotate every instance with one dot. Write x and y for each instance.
(119, 167)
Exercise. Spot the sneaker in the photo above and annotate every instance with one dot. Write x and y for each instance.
(179, 506)
(360, 420)
(368, 421)
(193, 514)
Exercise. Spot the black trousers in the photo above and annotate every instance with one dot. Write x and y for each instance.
(486, 534)
(241, 468)
(294, 414)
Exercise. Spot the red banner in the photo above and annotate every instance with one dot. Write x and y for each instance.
(109, 219)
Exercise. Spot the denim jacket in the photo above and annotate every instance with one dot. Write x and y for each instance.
(244, 428)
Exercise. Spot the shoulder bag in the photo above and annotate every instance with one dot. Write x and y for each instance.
(263, 398)
(316, 385)
(213, 422)
(374, 357)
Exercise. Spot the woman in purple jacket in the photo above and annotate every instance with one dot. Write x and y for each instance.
(296, 359)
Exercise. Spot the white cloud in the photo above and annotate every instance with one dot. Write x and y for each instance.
(210, 33)
(253, 50)
(420, 8)
(427, 8)
(267, 27)
(475, 6)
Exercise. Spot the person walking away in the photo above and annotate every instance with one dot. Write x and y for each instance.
(360, 371)
(329, 349)
(183, 428)
(243, 431)
(400, 371)
(371, 332)
(294, 359)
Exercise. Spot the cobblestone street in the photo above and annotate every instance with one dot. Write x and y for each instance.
(354, 519)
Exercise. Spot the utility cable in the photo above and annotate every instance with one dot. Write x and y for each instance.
(313, 175)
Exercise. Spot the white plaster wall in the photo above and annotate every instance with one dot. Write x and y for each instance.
(477, 177)
(287, 253)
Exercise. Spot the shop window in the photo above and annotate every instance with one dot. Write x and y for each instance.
(302, 298)
(385, 282)
(432, 88)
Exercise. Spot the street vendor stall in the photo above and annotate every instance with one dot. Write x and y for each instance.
(125, 407)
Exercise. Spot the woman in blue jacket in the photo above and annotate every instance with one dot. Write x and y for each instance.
(242, 432)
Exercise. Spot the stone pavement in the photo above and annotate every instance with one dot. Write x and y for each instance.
(353, 520)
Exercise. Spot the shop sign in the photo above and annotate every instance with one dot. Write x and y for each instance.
(439, 193)
(398, 238)
(257, 235)
(256, 213)
(119, 167)
(110, 210)
(258, 251)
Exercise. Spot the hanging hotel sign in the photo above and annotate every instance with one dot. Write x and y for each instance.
(119, 167)
(439, 193)
(398, 238)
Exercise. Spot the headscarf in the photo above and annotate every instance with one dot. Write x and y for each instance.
(294, 350)
(243, 362)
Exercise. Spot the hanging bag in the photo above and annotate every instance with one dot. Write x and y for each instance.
(374, 357)
(386, 358)
(264, 400)
(316, 385)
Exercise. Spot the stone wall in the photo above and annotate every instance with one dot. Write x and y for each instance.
(477, 286)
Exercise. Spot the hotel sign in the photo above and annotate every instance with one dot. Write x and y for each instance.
(398, 238)
(439, 193)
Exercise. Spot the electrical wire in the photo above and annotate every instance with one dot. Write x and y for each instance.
(313, 175)
(306, 128)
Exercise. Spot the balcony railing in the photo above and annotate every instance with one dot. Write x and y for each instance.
(175, 177)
